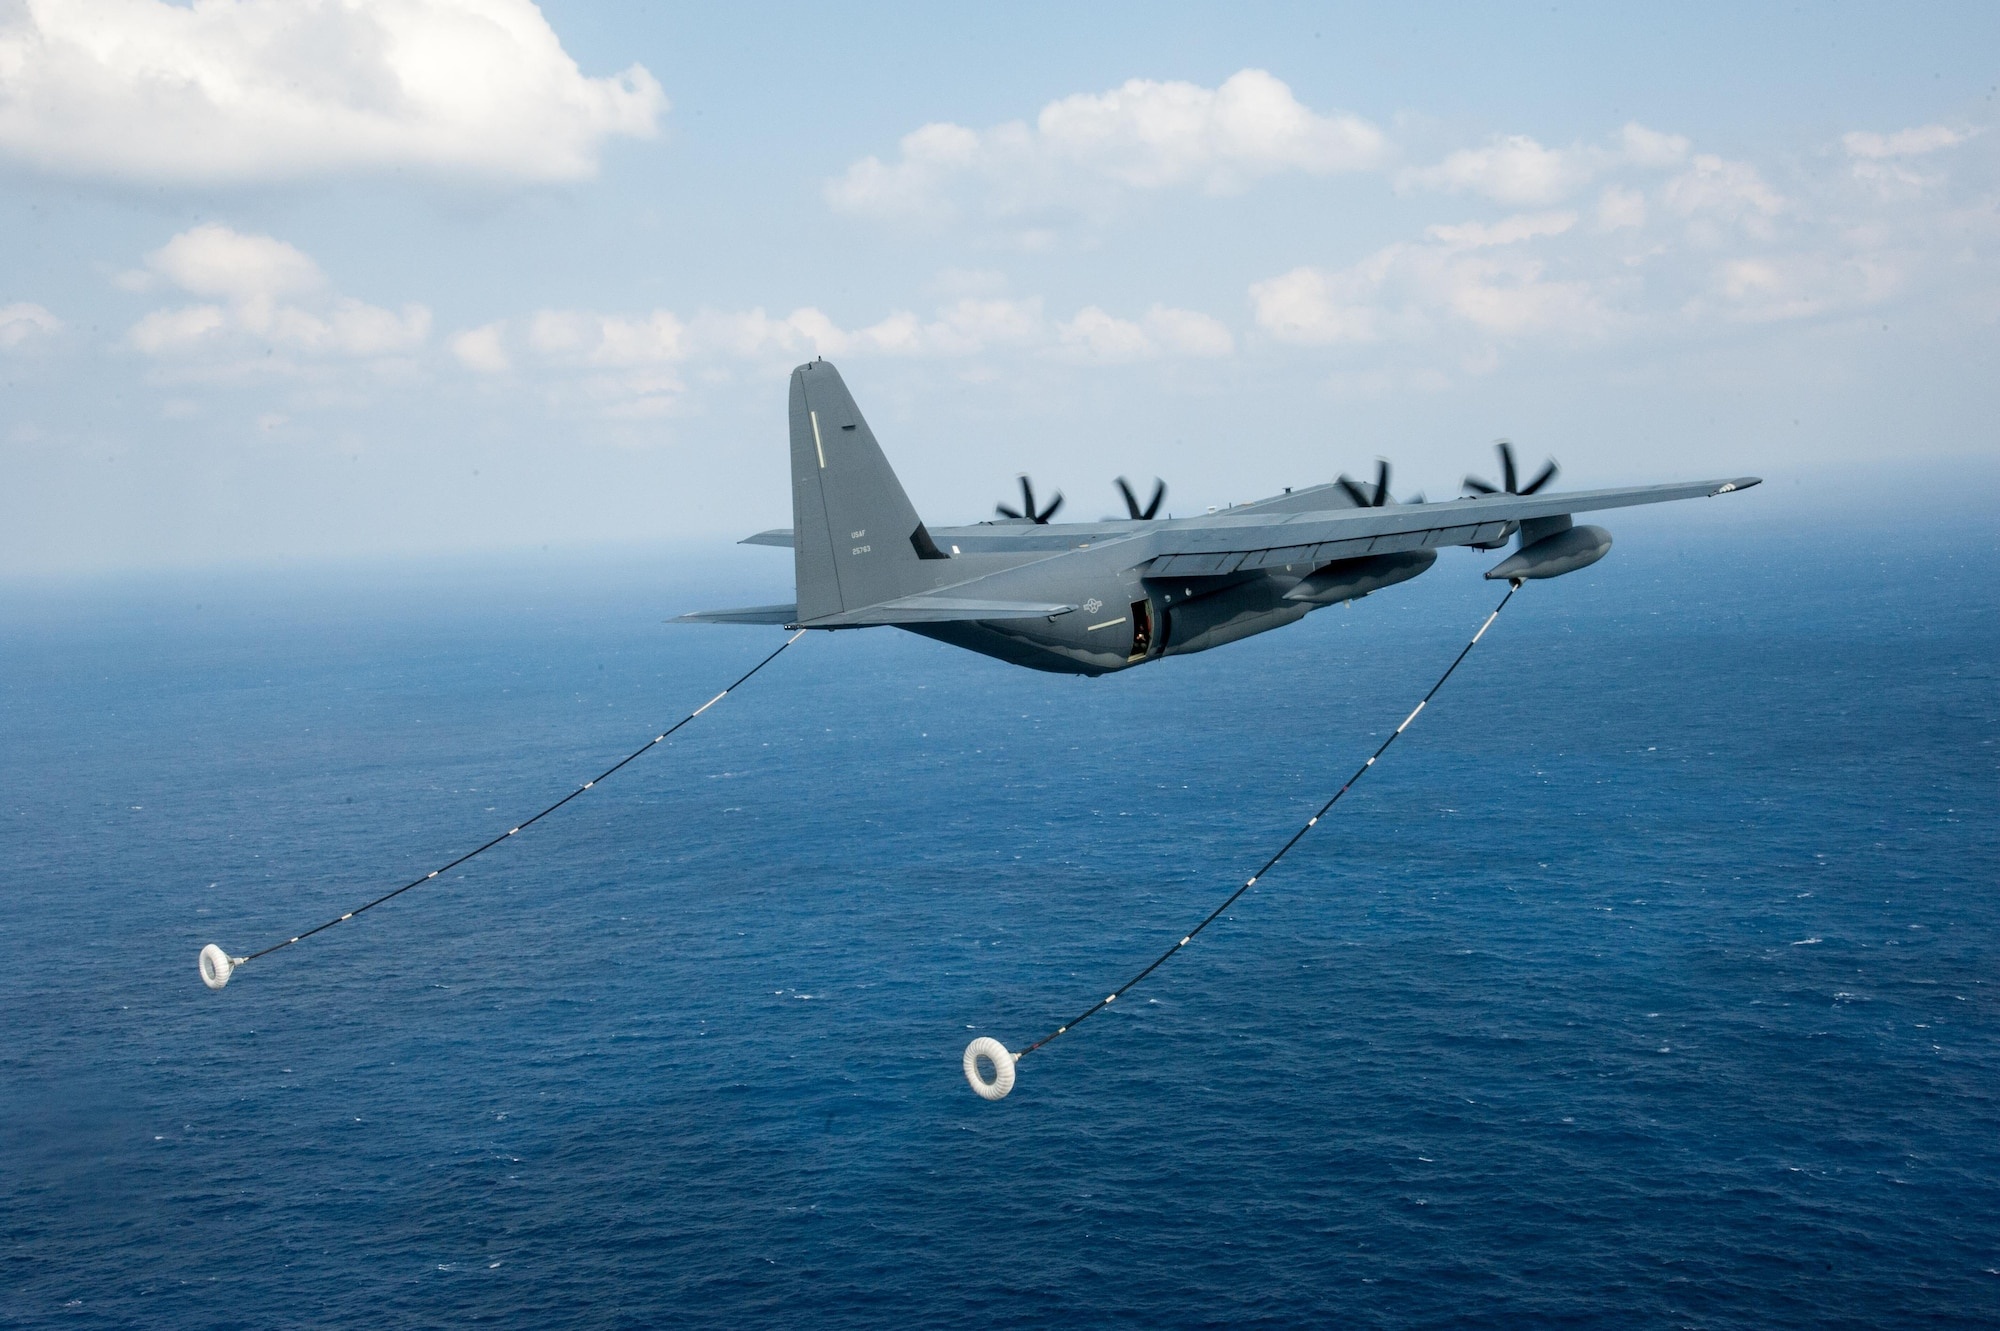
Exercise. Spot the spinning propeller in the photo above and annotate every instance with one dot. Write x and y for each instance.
(1152, 509)
(1511, 478)
(1028, 509)
(1365, 498)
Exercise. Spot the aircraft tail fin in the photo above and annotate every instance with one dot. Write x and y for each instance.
(856, 540)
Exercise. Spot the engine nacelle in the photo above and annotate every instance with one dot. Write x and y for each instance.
(1351, 579)
(1549, 550)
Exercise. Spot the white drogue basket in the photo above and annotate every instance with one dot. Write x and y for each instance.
(217, 966)
(1001, 1060)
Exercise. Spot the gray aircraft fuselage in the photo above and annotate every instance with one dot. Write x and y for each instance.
(1123, 618)
(1091, 598)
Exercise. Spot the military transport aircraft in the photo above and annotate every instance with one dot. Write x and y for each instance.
(1087, 598)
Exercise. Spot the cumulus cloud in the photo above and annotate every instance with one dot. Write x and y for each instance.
(1619, 209)
(1680, 240)
(1093, 335)
(263, 290)
(1797, 286)
(1142, 135)
(1508, 231)
(1714, 190)
(483, 349)
(1903, 143)
(1515, 170)
(216, 261)
(1512, 170)
(1884, 160)
(1649, 147)
(1472, 276)
(633, 363)
(606, 339)
(223, 91)
(964, 327)
(24, 322)
(1317, 306)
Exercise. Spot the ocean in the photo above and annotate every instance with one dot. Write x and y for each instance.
(1650, 980)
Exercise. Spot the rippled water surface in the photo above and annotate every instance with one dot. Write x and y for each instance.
(1651, 980)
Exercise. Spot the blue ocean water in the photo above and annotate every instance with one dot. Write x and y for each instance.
(1651, 980)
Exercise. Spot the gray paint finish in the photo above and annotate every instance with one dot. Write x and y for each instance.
(1090, 598)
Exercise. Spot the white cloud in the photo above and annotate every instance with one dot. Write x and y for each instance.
(1513, 170)
(1143, 135)
(213, 260)
(1189, 332)
(632, 364)
(263, 290)
(1315, 306)
(1718, 245)
(1507, 231)
(24, 322)
(1718, 190)
(1770, 288)
(1649, 147)
(1472, 277)
(1516, 170)
(1149, 135)
(1883, 161)
(225, 91)
(969, 326)
(1093, 335)
(165, 331)
(658, 338)
(1619, 209)
(483, 349)
(1514, 297)
(1903, 143)
(753, 333)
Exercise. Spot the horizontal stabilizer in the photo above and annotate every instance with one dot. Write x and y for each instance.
(778, 536)
(749, 614)
(939, 610)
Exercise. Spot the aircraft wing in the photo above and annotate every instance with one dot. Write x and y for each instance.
(749, 614)
(1225, 542)
(940, 610)
(907, 610)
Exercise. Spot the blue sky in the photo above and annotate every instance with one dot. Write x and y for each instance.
(310, 281)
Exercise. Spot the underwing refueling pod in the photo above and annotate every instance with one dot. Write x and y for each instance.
(1089, 598)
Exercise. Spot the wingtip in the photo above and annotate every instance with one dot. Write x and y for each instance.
(1740, 483)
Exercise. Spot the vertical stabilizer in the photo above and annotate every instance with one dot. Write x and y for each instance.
(856, 540)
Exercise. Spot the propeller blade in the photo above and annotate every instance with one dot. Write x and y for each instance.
(1005, 511)
(1477, 486)
(1354, 490)
(1131, 500)
(1508, 475)
(1152, 509)
(1381, 482)
(1028, 498)
(1548, 474)
(1050, 511)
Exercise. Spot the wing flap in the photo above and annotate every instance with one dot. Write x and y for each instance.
(1321, 553)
